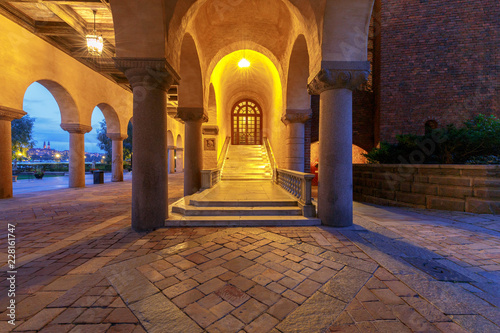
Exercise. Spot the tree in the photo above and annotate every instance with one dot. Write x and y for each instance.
(22, 138)
(106, 143)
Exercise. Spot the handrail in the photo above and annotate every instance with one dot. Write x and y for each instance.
(210, 177)
(272, 160)
(223, 155)
(299, 184)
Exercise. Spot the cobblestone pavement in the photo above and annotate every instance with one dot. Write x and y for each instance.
(80, 268)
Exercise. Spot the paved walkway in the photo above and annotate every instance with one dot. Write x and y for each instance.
(80, 268)
(55, 183)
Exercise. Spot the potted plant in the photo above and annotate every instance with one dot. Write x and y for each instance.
(39, 173)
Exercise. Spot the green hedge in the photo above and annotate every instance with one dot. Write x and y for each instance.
(476, 142)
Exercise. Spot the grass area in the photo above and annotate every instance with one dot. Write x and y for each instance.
(20, 177)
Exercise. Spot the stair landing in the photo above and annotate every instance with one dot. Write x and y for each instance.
(239, 204)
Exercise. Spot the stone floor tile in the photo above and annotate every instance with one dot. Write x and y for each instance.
(307, 288)
(242, 283)
(180, 288)
(39, 320)
(450, 327)
(211, 286)
(276, 287)
(322, 275)
(197, 258)
(121, 316)
(263, 324)
(391, 326)
(249, 310)
(210, 301)
(365, 295)
(92, 316)
(253, 271)
(232, 295)
(85, 301)
(264, 295)
(386, 296)
(379, 311)
(221, 309)
(187, 298)
(57, 328)
(400, 289)
(90, 328)
(165, 283)
(282, 308)
(199, 314)
(236, 265)
(68, 315)
(122, 328)
(429, 311)
(228, 324)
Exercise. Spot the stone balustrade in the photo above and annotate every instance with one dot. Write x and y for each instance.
(299, 185)
(209, 178)
(464, 188)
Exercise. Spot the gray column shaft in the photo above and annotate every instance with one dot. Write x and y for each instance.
(295, 143)
(335, 193)
(150, 177)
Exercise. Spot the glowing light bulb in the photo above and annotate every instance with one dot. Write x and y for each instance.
(244, 63)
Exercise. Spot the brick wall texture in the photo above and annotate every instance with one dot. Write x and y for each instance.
(440, 61)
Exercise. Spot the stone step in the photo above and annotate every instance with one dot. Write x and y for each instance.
(237, 211)
(243, 203)
(177, 220)
(253, 177)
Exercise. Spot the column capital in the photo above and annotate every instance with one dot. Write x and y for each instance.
(76, 128)
(10, 114)
(296, 116)
(117, 136)
(151, 73)
(179, 149)
(171, 148)
(191, 114)
(339, 75)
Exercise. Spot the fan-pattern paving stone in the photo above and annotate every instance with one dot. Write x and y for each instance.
(80, 264)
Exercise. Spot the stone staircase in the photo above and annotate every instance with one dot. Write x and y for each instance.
(247, 163)
(245, 197)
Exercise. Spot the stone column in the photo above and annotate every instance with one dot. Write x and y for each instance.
(193, 119)
(295, 120)
(117, 156)
(150, 80)
(6, 116)
(171, 159)
(76, 153)
(179, 152)
(335, 83)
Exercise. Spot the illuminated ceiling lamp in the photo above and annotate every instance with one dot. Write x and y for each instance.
(244, 63)
(95, 43)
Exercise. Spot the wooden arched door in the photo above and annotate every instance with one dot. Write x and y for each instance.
(246, 123)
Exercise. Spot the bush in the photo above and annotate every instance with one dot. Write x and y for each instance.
(477, 140)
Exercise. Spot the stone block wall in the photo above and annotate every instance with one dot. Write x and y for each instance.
(463, 188)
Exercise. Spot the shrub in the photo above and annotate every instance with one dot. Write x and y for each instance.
(477, 140)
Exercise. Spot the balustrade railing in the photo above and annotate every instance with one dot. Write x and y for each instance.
(299, 184)
(209, 178)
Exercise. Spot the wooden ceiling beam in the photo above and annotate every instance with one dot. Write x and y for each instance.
(69, 16)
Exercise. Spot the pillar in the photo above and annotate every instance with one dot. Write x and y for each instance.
(76, 153)
(171, 159)
(117, 156)
(179, 162)
(335, 83)
(150, 80)
(193, 119)
(6, 116)
(295, 120)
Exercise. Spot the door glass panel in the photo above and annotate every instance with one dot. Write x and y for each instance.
(247, 123)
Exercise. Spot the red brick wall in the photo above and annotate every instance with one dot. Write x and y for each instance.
(439, 60)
